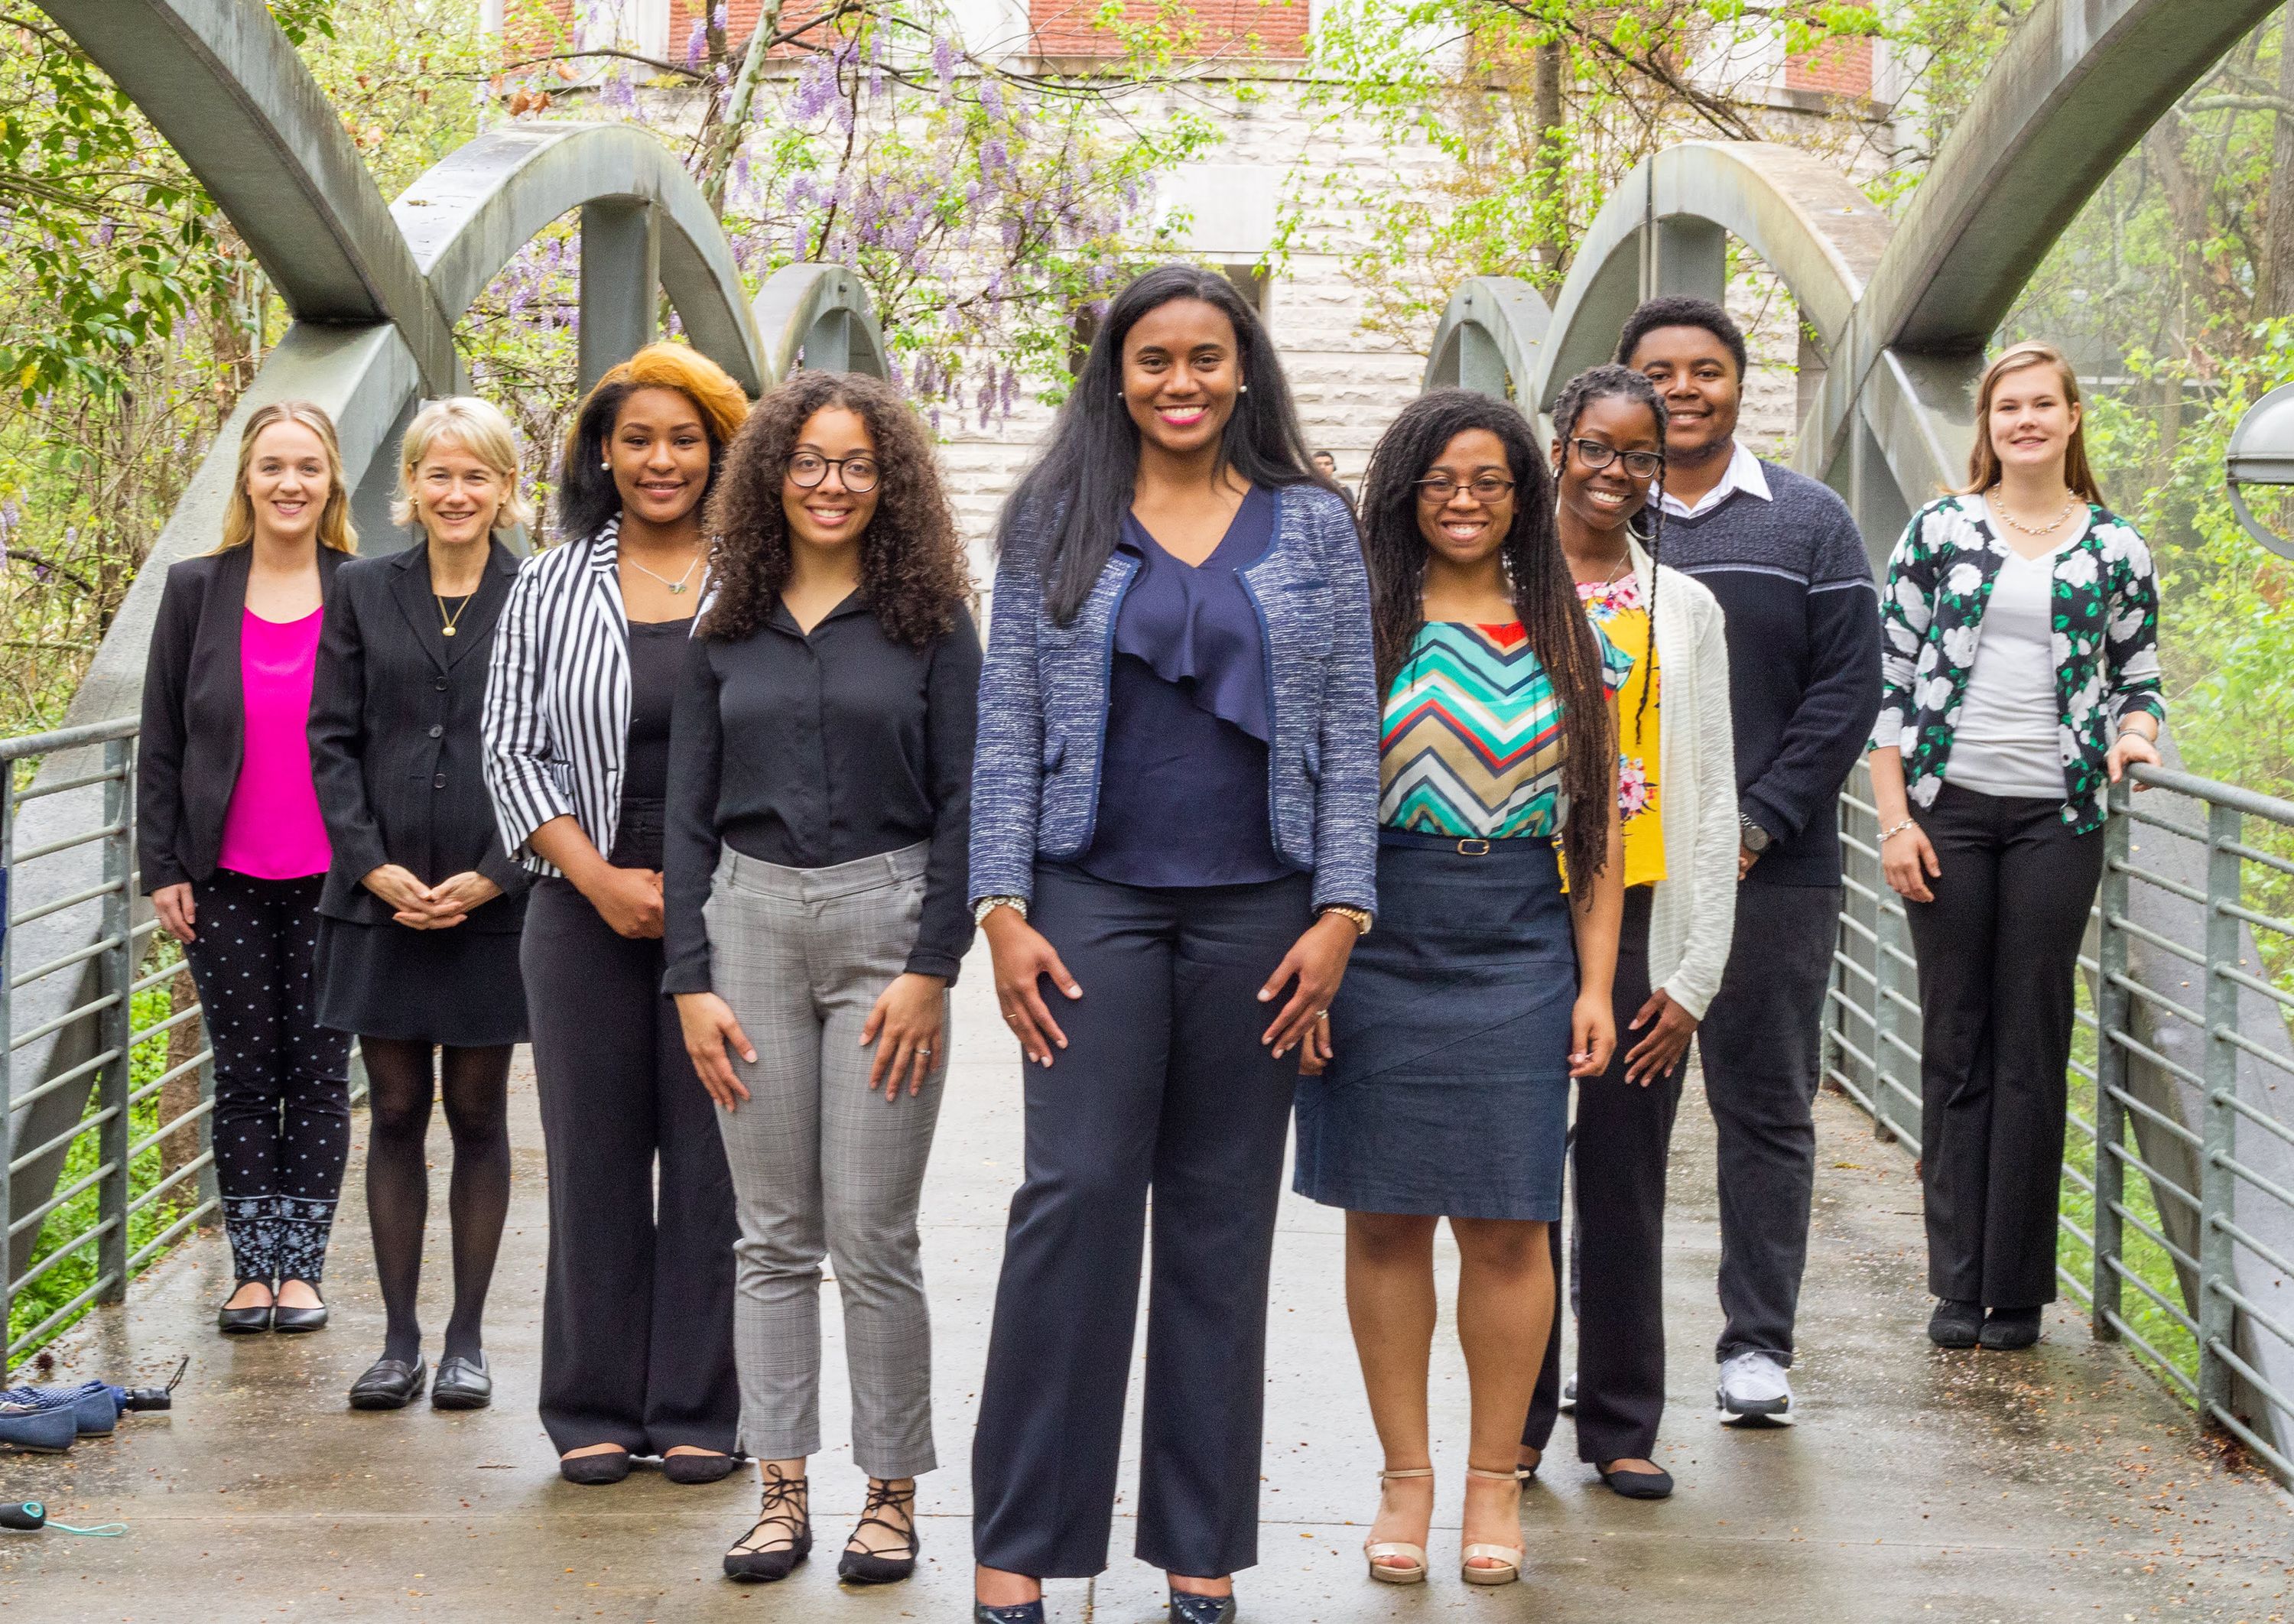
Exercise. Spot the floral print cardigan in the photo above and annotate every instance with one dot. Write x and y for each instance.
(2106, 642)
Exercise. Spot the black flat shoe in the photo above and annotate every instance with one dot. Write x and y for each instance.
(388, 1383)
(709, 1468)
(592, 1471)
(885, 1567)
(1955, 1324)
(1187, 1608)
(243, 1321)
(1639, 1485)
(462, 1384)
(1018, 1612)
(289, 1321)
(2008, 1328)
(780, 1537)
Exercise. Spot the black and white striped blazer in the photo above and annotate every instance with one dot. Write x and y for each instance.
(557, 696)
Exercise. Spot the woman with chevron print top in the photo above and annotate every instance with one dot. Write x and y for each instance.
(1444, 1085)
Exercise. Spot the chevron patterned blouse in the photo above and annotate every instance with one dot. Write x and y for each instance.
(1471, 744)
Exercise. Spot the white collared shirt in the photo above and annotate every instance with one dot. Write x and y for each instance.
(1743, 473)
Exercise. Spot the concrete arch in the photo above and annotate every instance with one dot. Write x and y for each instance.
(819, 316)
(1491, 337)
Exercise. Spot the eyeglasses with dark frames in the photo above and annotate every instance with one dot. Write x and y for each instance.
(1441, 487)
(1640, 465)
(809, 468)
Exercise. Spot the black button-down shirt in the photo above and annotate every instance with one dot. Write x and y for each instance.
(811, 750)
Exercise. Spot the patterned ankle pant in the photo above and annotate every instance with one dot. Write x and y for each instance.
(282, 1120)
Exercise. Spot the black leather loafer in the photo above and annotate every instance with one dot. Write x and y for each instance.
(594, 1471)
(388, 1383)
(462, 1384)
(2008, 1328)
(1639, 1485)
(1955, 1324)
(289, 1321)
(709, 1468)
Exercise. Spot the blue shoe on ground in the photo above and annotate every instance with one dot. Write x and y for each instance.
(95, 1406)
(46, 1432)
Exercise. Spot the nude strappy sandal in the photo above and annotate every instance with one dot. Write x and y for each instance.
(1389, 1574)
(1506, 1556)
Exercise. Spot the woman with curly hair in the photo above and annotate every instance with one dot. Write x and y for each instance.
(637, 1319)
(1178, 800)
(1444, 1091)
(820, 792)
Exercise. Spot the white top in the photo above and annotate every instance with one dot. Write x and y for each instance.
(1692, 914)
(1743, 473)
(2009, 737)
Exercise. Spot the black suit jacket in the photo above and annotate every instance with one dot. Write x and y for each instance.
(396, 740)
(195, 714)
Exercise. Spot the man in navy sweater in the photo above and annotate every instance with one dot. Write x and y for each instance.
(1785, 558)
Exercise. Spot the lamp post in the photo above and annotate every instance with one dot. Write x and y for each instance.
(2262, 453)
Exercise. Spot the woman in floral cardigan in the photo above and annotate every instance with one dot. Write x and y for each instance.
(2020, 673)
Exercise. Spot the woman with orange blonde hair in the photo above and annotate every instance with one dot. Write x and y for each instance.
(234, 851)
(637, 1338)
(2020, 675)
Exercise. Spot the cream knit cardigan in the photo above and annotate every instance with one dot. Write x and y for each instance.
(1692, 914)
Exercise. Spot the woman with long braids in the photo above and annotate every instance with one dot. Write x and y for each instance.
(1444, 1090)
(1677, 808)
(1173, 855)
(421, 916)
(637, 1319)
(819, 800)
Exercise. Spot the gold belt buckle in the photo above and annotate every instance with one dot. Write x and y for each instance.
(1473, 845)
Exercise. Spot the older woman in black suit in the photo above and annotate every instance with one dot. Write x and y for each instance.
(419, 936)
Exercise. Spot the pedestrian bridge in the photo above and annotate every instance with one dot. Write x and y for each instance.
(2125, 1469)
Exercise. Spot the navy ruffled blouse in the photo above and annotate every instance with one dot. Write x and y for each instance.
(1183, 780)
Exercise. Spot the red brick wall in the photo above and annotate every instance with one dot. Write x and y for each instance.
(1064, 27)
(1841, 67)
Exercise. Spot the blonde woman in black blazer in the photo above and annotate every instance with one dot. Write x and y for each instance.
(233, 851)
(419, 940)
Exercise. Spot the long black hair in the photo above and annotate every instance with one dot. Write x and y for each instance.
(1537, 579)
(1620, 383)
(1082, 483)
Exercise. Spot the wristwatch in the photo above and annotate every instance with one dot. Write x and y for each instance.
(1359, 917)
(1756, 839)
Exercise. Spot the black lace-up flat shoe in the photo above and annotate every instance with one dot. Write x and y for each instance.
(780, 1537)
(388, 1383)
(891, 1565)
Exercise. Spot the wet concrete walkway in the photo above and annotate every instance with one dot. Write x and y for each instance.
(1919, 1485)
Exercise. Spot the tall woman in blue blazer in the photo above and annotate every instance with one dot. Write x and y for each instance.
(1173, 839)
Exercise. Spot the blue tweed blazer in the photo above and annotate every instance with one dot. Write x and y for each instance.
(1043, 707)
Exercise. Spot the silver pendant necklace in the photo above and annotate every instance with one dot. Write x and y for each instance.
(677, 587)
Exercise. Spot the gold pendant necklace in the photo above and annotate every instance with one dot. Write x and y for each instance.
(446, 621)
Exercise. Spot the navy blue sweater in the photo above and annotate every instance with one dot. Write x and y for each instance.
(1804, 626)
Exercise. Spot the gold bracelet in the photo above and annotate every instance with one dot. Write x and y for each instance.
(1359, 917)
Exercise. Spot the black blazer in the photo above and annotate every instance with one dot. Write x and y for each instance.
(195, 714)
(396, 741)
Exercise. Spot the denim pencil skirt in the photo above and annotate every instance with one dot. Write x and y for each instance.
(1449, 1089)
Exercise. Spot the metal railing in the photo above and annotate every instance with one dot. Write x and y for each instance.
(2177, 1189)
(94, 964)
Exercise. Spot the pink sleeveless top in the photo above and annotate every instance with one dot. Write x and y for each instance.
(271, 830)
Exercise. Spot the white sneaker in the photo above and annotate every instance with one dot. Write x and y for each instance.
(1568, 1405)
(1753, 1393)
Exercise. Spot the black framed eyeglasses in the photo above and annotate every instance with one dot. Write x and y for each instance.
(1441, 487)
(1640, 465)
(809, 468)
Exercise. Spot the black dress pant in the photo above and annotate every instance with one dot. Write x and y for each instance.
(1618, 1150)
(1163, 1086)
(1998, 951)
(282, 1114)
(636, 1317)
(1759, 1047)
